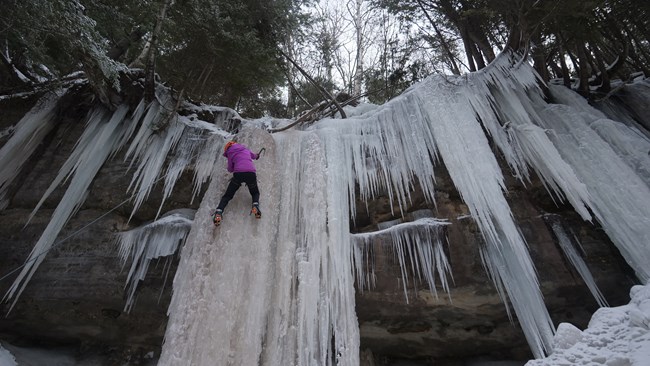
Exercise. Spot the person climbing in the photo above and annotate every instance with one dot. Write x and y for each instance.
(240, 164)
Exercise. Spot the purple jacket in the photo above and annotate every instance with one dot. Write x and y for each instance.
(240, 159)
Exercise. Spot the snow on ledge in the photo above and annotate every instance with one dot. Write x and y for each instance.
(428, 221)
(6, 358)
(618, 336)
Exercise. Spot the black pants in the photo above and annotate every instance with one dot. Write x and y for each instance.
(250, 178)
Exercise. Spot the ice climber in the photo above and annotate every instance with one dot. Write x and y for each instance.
(240, 164)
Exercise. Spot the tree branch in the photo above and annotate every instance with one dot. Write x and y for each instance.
(322, 90)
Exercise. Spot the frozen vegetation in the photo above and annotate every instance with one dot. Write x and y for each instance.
(277, 291)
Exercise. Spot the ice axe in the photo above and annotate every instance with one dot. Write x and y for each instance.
(259, 154)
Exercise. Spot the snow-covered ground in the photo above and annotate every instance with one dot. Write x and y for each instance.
(618, 336)
(6, 358)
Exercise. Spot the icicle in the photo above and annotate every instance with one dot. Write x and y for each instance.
(396, 144)
(499, 94)
(575, 258)
(558, 177)
(150, 148)
(183, 139)
(418, 246)
(386, 149)
(203, 144)
(27, 135)
(337, 258)
(101, 137)
(101, 140)
(154, 240)
(619, 196)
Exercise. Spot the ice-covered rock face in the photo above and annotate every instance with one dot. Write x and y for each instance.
(312, 181)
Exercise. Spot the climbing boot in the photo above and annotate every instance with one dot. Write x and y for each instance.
(216, 218)
(256, 210)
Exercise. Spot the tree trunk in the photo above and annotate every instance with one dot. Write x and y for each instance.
(515, 39)
(358, 25)
(119, 49)
(566, 77)
(12, 71)
(150, 66)
(583, 69)
(639, 45)
(552, 65)
(474, 58)
(468, 50)
(481, 42)
(322, 90)
(450, 56)
(294, 93)
(557, 70)
(605, 83)
(539, 61)
(621, 59)
(573, 59)
(478, 57)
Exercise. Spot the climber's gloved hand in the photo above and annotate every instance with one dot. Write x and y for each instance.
(259, 154)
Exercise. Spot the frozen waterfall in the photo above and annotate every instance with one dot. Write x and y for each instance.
(274, 291)
(280, 291)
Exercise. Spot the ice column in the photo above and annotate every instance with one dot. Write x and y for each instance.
(574, 257)
(274, 291)
(222, 287)
(473, 167)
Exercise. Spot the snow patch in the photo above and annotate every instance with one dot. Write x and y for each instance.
(6, 358)
(618, 336)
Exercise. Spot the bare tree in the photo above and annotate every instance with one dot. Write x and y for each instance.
(150, 66)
